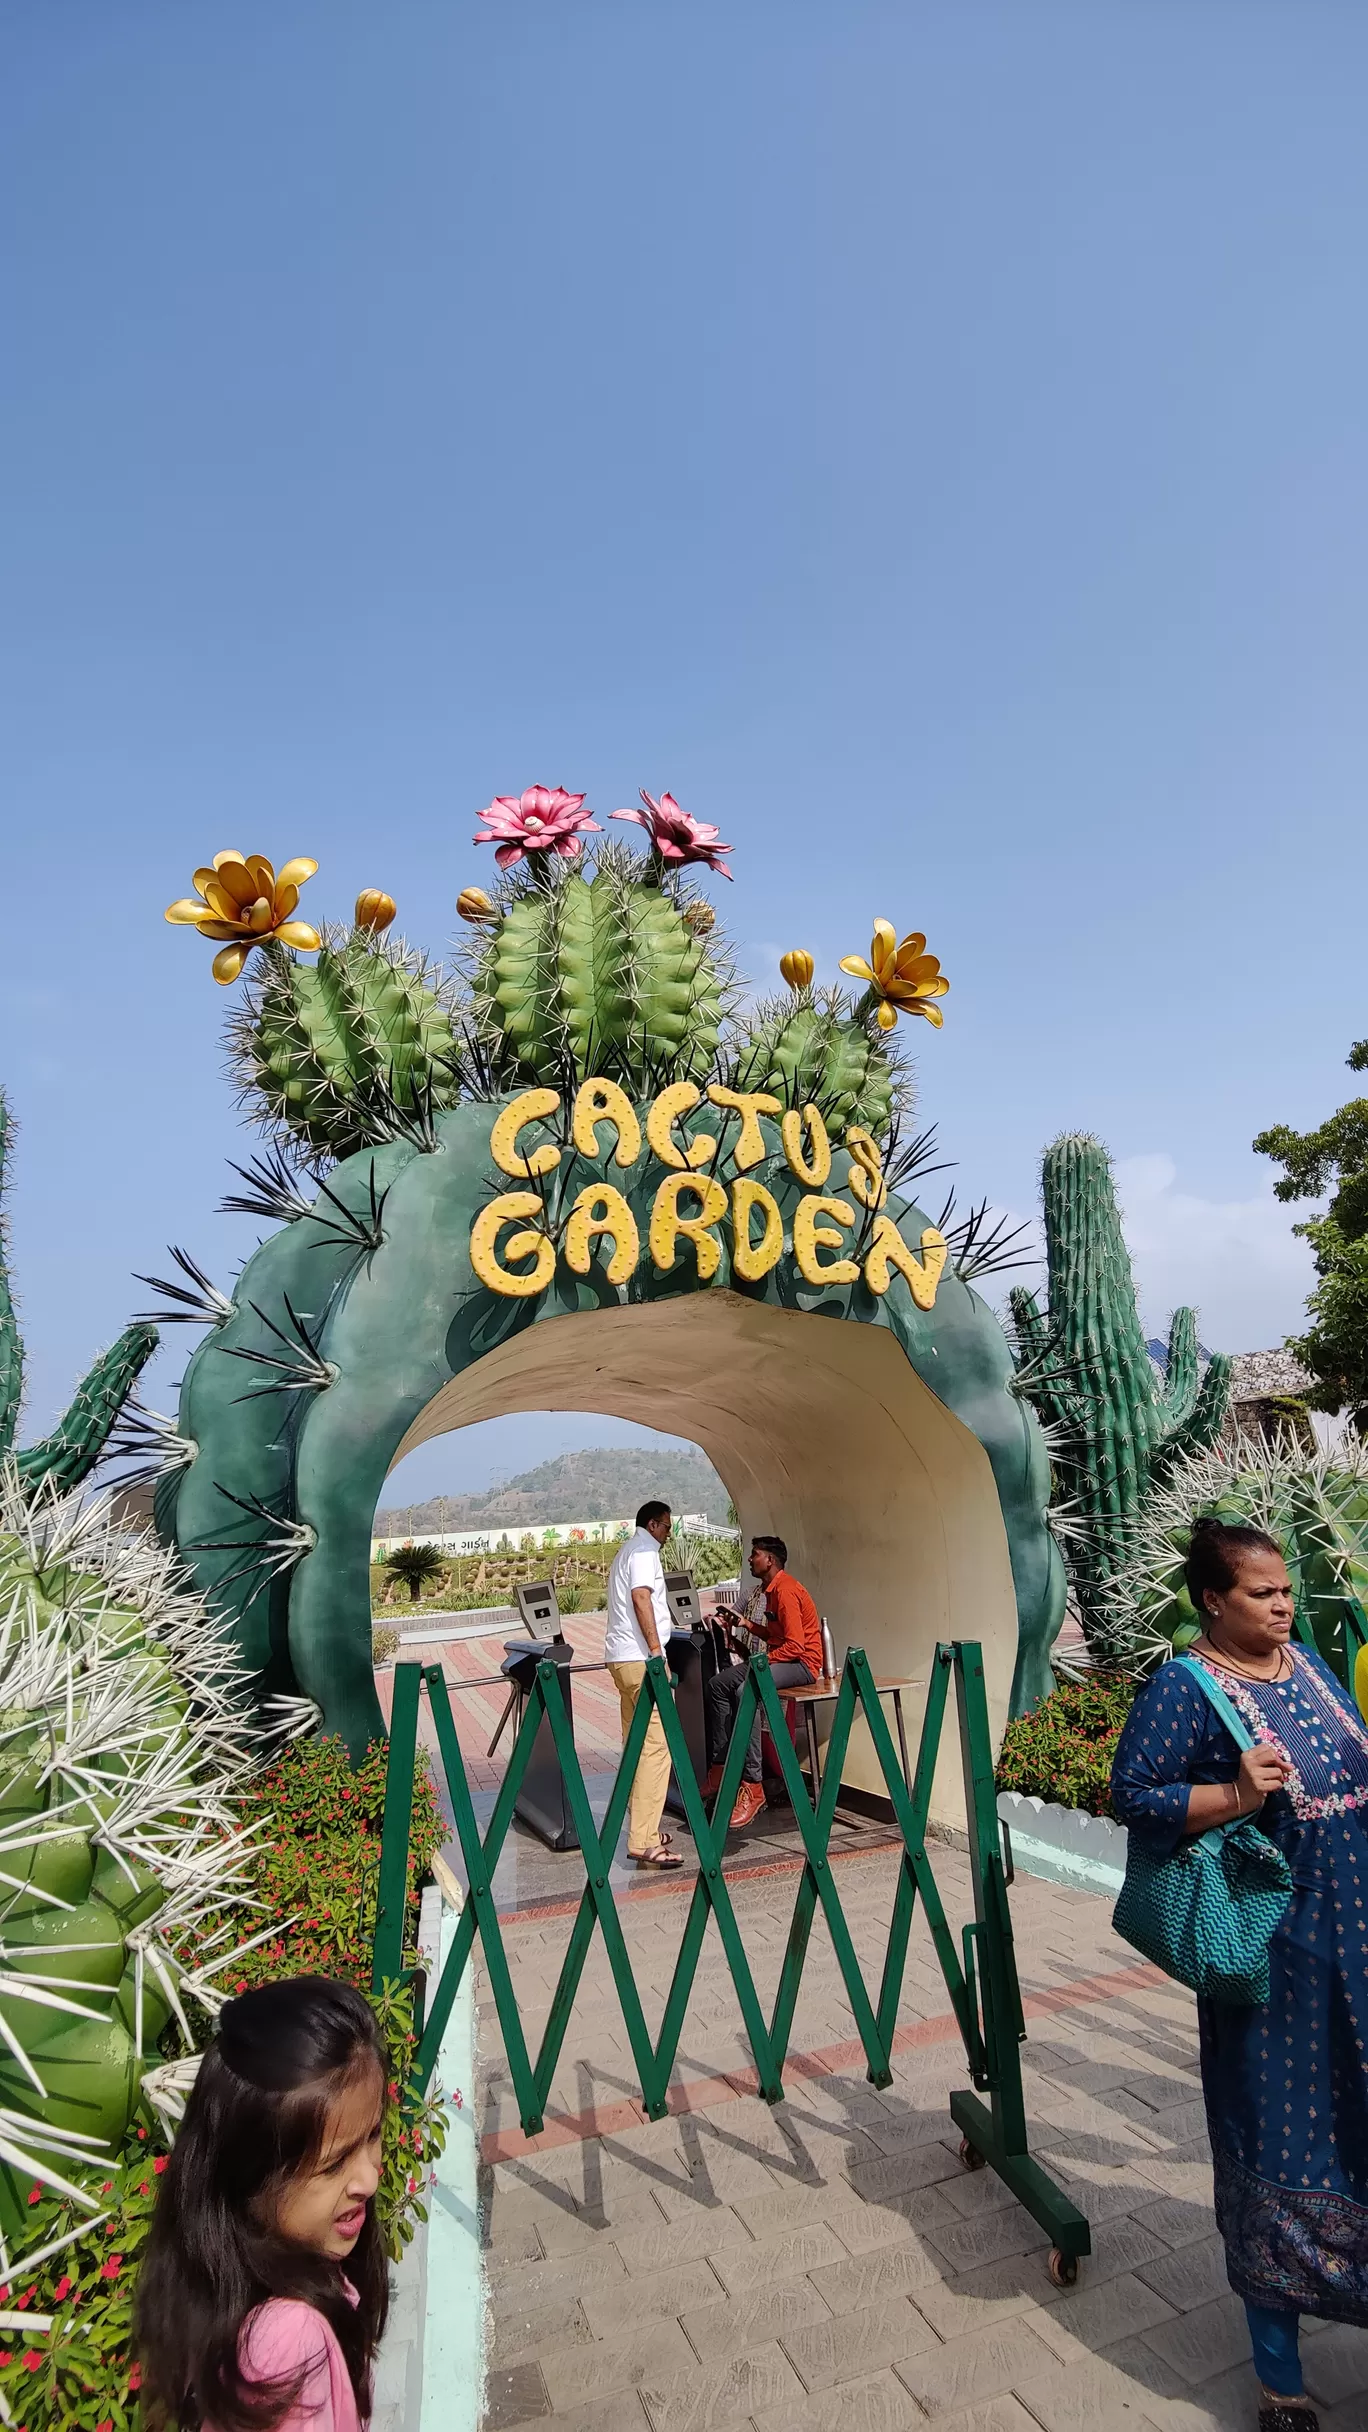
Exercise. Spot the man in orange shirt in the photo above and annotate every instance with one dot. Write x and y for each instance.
(793, 1643)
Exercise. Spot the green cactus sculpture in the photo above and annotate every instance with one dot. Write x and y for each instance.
(69, 1454)
(341, 1051)
(1315, 1506)
(809, 1046)
(1116, 1430)
(121, 1736)
(610, 974)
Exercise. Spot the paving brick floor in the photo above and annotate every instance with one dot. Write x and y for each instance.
(828, 2266)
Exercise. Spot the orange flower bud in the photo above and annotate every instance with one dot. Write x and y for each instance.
(797, 968)
(374, 910)
(474, 905)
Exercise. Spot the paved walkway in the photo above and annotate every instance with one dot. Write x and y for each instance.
(828, 2266)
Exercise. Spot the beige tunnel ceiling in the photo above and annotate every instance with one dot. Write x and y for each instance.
(825, 1434)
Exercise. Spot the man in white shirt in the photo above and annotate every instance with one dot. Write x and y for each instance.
(638, 1626)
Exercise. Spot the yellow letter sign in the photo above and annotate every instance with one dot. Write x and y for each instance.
(809, 1236)
(749, 1104)
(599, 1102)
(752, 1259)
(503, 1140)
(601, 1209)
(484, 1254)
(661, 1117)
(667, 1224)
(890, 1250)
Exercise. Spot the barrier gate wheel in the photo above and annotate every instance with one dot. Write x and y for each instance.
(1063, 2269)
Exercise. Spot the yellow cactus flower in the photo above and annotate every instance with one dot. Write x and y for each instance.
(904, 978)
(241, 900)
(374, 910)
(797, 968)
(474, 905)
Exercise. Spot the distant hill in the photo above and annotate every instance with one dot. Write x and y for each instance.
(602, 1484)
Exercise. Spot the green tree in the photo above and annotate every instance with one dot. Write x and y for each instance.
(417, 1566)
(1332, 1159)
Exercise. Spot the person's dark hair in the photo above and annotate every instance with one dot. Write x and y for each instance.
(256, 2118)
(1215, 1552)
(650, 1512)
(772, 1545)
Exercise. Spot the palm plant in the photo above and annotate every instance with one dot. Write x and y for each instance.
(417, 1565)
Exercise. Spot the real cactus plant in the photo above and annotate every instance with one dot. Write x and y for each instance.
(122, 1739)
(1115, 1428)
(343, 1051)
(68, 1455)
(1315, 1506)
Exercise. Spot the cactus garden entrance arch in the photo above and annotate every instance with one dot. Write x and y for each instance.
(719, 1275)
(585, 1171)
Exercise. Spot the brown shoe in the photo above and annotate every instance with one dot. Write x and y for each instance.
(750, 1804)
(714, 1781)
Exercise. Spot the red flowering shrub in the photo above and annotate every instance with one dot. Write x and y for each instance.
(320, 1858)
(1063, 1752)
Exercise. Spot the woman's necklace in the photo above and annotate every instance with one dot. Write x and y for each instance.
(1281, 1670)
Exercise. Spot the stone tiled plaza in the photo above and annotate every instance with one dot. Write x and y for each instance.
(830, 2263)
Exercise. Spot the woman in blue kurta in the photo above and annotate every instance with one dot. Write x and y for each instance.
(1286, 2084)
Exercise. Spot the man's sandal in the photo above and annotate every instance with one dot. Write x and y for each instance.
(662, 1857)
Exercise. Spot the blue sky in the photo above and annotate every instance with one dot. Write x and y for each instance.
(929, 439)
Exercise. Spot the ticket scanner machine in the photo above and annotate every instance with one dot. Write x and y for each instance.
(541, 1801)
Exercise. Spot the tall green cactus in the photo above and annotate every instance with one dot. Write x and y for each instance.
(1117, 1430)
(69, 1454)
(609, 974)
(810, 1046)
(342, 1049)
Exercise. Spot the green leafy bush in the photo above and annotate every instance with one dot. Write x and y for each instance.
(1063, 1752)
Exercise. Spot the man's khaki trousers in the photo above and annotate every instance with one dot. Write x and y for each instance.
(652, 1778)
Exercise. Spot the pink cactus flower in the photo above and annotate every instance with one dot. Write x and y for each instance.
(675, 835)
(543, 820)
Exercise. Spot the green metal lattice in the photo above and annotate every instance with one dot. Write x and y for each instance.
(980, 1975)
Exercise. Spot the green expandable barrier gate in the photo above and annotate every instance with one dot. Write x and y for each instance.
(980, 1974)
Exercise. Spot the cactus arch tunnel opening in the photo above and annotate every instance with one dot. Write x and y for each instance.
(825, 1435)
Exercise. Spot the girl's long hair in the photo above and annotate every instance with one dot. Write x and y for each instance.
(256, 2118)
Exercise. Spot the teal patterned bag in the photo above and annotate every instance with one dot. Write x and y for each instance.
(1207, 1914)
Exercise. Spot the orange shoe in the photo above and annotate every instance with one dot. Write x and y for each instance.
(714, 1781)
(750, 1804)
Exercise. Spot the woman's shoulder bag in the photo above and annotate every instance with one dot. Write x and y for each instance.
(1207, 1913)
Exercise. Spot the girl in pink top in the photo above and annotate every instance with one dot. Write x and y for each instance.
(247, 2319)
